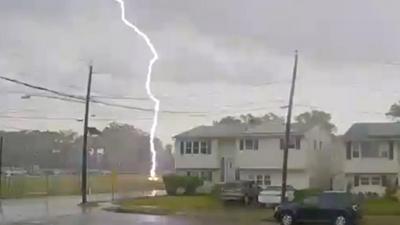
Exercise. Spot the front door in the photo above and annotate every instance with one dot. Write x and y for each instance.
(229, 170)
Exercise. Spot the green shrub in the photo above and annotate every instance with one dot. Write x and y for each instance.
(172, 182)
(300, 195)
(390, 192)
(191, 184)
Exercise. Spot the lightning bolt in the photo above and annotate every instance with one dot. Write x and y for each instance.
(148, 89)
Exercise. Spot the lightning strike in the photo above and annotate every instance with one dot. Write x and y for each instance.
(153, 175)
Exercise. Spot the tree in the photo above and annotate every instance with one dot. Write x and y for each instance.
(250, 119)
(316, 117)
(272, 117)
(394, 111)
(228, 120)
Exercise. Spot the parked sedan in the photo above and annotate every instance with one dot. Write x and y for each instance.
(271, 196)
(337, 208)
(244, 191)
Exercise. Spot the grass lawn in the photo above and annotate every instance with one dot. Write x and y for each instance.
(174, 204)
(381, 207)
(200, 206)
(382, 211)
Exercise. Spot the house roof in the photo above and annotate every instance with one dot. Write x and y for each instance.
(363, 131)
(235, 130)
(221, 130)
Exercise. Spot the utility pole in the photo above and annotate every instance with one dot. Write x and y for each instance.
(85, 137)
(287, 133)
(1, 166)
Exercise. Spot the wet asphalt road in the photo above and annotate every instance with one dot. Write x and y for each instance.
(65, 211)
(99, 217)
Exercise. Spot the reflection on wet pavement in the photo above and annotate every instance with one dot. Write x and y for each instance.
(99, 217)
(16, 210)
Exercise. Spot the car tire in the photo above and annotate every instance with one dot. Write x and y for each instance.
(287, 219)
(340, 220)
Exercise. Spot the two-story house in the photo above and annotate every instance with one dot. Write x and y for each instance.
(370, 158)
(225, 153)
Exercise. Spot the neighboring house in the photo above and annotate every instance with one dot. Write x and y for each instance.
(225, 153)
(370, 158)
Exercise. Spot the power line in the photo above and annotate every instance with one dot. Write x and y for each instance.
(81, 98)
(64, 118)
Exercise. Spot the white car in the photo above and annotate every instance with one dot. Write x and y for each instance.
(271, 195)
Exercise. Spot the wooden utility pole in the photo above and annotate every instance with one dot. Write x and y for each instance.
(287, 133)
(85, 138)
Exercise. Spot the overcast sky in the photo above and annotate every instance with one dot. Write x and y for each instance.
(218, 58)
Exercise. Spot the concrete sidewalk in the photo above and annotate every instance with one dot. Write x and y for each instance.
(15, 210)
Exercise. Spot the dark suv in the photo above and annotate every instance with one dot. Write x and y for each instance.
(338, 208)
(245, 191)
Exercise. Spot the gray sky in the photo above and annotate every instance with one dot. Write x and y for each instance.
(223, 57)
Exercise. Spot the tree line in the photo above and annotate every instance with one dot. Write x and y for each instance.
(119, 147)
(314, 117)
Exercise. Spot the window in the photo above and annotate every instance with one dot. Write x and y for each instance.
(267, 180)
(188, 147)
(194, 173)
(370, 149)
(320, 145)
(248, 144)
(195, 147)
(364, 180)
(356, 150)
(294, 143)
(376, 180)
(259, 180)
(203, 147)
(383, 153)
(206, 175)
(298, 142)
(182, 147)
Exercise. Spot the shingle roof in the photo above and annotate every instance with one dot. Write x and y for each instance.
(236, 130)
(222, 130)
(363, 131)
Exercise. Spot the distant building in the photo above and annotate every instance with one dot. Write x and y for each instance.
(225, 153)
(369, 158)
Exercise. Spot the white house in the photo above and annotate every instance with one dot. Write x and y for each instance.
(224, 153)
(370, 158)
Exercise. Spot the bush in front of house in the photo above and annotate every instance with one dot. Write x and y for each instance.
(191, 184)
(390, 193)
(174, 182)
(300, 195)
